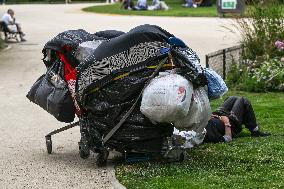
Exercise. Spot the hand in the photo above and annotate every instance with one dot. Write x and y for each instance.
(227, 138)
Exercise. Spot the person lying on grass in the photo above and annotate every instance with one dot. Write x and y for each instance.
(226, 123)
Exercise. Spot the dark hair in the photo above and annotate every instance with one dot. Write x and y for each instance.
(10, 11)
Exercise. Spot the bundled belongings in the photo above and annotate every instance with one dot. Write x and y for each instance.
(199, 112)
(51, 93)
(108, 79)
(216, 85)
(59, 59)
(170, 98)
(62, 55)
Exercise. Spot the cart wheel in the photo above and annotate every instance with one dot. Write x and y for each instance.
(102, 158)
(84, 151)
(48, 144)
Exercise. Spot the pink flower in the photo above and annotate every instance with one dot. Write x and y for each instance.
(279, 45)
(282, 59)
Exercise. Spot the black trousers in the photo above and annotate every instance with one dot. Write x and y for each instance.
(240, 112)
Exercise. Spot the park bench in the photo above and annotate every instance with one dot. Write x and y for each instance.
(7, 33)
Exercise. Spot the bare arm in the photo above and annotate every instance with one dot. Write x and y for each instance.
(228, 130)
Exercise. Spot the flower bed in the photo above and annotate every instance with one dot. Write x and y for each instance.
(262, 65)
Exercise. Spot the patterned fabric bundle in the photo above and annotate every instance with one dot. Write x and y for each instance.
(109, 81)
(131, 52)
(105, 85)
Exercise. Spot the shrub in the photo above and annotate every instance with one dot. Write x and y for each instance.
(262, 36)
(269, 76)
(264, 26)
(239, 78)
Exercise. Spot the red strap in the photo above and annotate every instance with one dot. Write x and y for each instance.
(70, 75)
(69, 71)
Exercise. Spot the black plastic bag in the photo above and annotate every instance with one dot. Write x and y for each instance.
(107, 106)
(51, 93)
(67, 42)
(108, 34)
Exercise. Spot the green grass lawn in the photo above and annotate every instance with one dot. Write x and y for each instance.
(244, 163)
(175, 10)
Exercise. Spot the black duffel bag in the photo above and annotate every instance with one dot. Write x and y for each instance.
(51, 93)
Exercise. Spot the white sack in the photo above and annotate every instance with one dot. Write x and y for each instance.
(166, 98)
(199, 112)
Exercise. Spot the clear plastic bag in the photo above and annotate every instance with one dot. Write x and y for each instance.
(199, 112)
(189, 139)
(167, 98)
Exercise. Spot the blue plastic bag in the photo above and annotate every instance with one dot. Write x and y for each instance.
(216, 85)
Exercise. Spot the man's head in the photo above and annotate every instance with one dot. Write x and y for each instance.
(11, 12)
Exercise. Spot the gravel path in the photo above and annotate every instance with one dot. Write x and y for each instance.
(24, 162)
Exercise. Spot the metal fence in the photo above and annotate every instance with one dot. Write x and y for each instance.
(221, 61)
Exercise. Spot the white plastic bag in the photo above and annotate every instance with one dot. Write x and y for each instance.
(167, 98)
(199, 112)
(12, 28)
(190, 138)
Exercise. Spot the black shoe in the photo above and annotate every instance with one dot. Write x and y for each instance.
(259, 134)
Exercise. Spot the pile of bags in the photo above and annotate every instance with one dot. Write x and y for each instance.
(101, 77)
